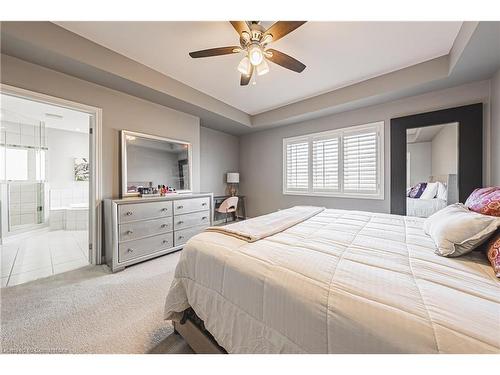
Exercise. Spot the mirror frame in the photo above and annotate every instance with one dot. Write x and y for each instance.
(123, 150)
(470, 149)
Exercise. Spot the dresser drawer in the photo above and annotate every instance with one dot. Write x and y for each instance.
(182, 236)
(141, 211)
(191, 220)
(184, 206)
(145, 246)
(132, 231)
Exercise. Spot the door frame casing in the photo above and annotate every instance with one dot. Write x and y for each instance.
(95, 151)
(470, 149)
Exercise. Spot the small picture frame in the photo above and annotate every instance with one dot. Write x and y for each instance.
(81, 169)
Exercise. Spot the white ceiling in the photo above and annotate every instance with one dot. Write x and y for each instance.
(337, 54)
(426, 133)
(31, 112)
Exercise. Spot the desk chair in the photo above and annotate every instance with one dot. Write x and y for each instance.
(229, 206)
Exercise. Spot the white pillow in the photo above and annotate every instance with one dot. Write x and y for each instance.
(430, 191)
(457, 231)
(442, 192)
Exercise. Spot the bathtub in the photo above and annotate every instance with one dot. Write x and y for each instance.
(73, 217)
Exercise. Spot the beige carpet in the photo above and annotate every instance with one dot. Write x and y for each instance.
(91, 310)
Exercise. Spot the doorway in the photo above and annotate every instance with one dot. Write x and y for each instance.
(48, 186)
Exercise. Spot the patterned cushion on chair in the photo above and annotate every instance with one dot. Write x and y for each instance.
(485, 201)
(493, 251)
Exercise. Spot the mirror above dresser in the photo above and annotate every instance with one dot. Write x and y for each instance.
(150, 163)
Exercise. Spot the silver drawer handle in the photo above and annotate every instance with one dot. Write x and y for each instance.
(163, 226)
(130, 250)
(204, 204)
(129, 232)
(204, 218)
(179, 207)
(181, 237)
(180, 222)
(129, 213)
(164, 209)
(164, 241)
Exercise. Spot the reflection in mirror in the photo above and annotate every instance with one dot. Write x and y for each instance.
(431, 169)
(151, 161)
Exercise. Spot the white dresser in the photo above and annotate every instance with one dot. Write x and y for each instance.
(138, 229)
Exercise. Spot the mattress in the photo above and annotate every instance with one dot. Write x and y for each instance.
(423, 207)
(338, 282)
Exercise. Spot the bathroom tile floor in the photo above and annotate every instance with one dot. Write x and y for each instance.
(42, 254)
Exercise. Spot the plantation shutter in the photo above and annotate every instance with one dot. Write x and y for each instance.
(297, 166)
(360, 162)
(325, 164)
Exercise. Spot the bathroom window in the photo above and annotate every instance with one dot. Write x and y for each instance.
(17, 167)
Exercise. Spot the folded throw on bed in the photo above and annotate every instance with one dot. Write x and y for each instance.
(260, 227)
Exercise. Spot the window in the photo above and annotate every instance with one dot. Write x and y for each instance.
(344, 162)
(297, 164)
(16, 168)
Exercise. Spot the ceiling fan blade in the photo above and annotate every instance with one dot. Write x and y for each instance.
(245, 78)
(281, 28)
(240, 26)
(215, 52)
(285, 61)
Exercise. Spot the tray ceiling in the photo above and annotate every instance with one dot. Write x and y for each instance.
(337, 54)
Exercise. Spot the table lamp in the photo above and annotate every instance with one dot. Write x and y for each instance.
(233, 178)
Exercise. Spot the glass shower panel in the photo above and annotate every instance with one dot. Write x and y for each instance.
(22, 171)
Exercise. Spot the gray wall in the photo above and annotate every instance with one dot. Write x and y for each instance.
(119, 111)
(420, 162)
(445, 151)
(495, 129)
(261, 153)
(220, 154)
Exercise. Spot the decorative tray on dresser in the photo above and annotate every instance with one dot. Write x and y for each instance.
(138, 229)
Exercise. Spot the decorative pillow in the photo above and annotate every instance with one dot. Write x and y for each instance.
(485, 201)
(493, 252)
(417, 190)
(442, 192)
(430, 191)
(457, 231)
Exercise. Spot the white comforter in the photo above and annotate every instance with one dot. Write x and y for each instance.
(339, 282)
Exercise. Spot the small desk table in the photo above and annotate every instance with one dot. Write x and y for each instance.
(240, 211)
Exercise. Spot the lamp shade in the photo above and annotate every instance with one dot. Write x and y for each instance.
(233, 178)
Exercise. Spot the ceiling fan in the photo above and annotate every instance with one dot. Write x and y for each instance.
(254, 40)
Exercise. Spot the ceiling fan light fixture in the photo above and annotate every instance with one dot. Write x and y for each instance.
(255, 55)
(262, 68)
(244, 66)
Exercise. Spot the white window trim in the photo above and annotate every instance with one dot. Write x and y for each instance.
(379, 195)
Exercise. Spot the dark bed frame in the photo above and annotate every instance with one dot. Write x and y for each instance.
(470, 149)
(193, 331)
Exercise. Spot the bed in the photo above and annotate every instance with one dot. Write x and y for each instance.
(337, 282)
(426, 207)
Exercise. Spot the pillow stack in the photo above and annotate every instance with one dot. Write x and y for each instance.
(428, 190)
(458, 229)
(487, 202)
